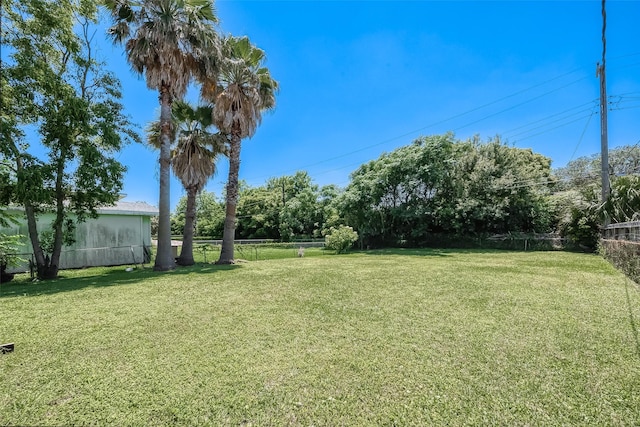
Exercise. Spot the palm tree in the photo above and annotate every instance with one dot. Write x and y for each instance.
(166, 40)
(193, 160)
(242, 92)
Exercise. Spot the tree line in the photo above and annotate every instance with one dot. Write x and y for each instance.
(435, 188)
(285, 208)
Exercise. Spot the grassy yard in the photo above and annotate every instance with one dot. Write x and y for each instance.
(377, 338)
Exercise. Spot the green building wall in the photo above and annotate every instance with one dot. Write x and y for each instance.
(114, 238)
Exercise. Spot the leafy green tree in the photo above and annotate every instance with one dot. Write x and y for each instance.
(258, 212)
(438, 185)
(177, 218)
(209, 217)
(500, 189)
(7, 183)
(581, 213)
(246, 90)
(585, 171)
(579, 210)
(329, 208)
(55, 85)
(299, 211)
(154, 225)
(9, 256)
(170, 42)
(581, 221)
(397, 196)
(300, 217)
(285, 208)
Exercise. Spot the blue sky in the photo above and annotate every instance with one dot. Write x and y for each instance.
(360, 78)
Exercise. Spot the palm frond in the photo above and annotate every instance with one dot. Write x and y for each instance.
(165, 39)
(247, 88)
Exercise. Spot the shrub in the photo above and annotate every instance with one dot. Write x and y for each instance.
(582, 229)
(9, 255)
(340, 239)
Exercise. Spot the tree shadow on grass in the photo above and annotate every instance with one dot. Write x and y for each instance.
(426, 252)
(440, 252)
(73, 280)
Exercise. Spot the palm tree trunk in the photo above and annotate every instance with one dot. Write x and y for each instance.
(228, 235)
(164, 257)
(186, 254)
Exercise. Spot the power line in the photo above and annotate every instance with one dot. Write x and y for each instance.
(520, 104)
(592, 102)
(549, 119)
(386, 141)
(558, 127)
(555, 116)
(581, 136)
(625, 55)
(525, 183)
(620, 67)
(556, 120)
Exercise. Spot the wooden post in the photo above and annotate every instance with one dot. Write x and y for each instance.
(604, 142)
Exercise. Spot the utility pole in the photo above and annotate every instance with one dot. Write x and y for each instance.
(604, 140)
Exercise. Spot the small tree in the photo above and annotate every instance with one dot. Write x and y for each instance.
(9, 255)
(340, 239)
(580, 222)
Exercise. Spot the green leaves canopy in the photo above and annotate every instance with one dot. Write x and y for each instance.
(52, 82)
(245, 88)
(440, 185)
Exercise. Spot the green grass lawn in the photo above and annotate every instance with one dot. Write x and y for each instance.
(378, 338)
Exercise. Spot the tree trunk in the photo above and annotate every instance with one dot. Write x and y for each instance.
(45, 268)
(51, 266)
(41, 261)
(47, 271)
(186, 254)
(164, 257)
(229, 233)
(43, 264)
(29, 213)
